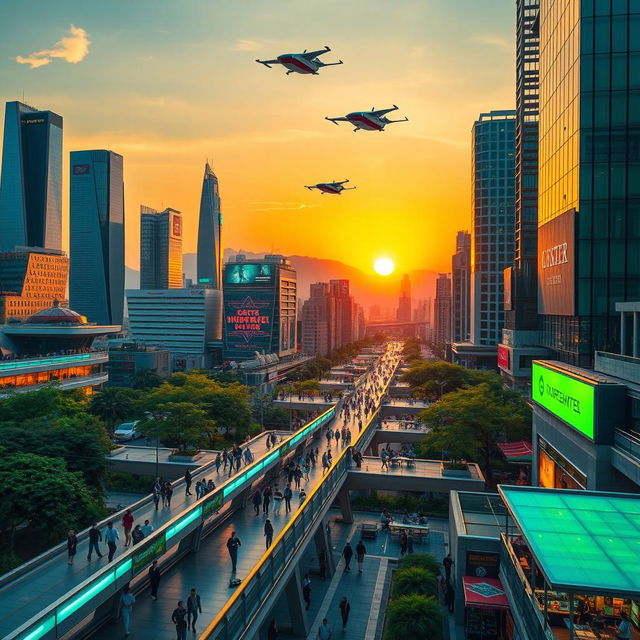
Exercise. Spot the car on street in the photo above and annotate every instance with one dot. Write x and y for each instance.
(126, 431)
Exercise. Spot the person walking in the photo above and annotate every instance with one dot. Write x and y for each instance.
(179, 618)
(218, 462)
(403, 542)
(306, 592)
(127, 524)
(126, 606)
(232, 545)
(345, 608)
(266, 500)
(288, 494)
(194, 607)
(111, 537)
(268, 533)
(347, 553)
(187, 482)
(147, 529)
(137, 535)
(361, 550)
(447, 563)
(325, 632)
(257, 501)
(72, 546)
(94, 538)
(277, 501)
(157, 492)
(168, 489)
(154, 579)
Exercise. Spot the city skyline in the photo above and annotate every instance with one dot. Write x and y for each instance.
(117, 97)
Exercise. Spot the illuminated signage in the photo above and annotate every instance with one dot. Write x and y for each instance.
(568, 398)
(176, 226)
(213, 505)
(81, 169)
(248, 322)
(146, 556)
(246, 273)
(504, 357)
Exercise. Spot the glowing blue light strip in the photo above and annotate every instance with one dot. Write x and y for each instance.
(123, 568)
(85, 596)
(39, 362)
(181, 524)
(39, 631)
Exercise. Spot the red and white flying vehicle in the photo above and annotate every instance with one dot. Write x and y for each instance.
(306, 62)
(335, 188)
(374, 120)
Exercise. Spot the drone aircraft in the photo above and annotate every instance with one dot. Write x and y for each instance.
(306, 62)
(335, 188)
(374, 120)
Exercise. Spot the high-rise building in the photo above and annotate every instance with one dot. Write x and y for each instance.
(260, 298)
(403, 313)
(589, 174)
(442, 310)
(460, 284)
(375, 313)
(160, 249)
(210, 232)
(30, 281)
(343, 319)
(317, 315)
(359, 322)
(493, 199)
(31, 182)
(96, 224)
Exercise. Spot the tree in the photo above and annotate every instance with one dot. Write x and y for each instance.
(469, 422)
(113, 405)
(411, 349)
(413, 616)
(40, 493)
(414, 580)
(49, 401)
(145, 379)
(431, 379)
(422, 560)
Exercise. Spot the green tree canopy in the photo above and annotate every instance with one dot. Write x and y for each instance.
(413, 616)
(145, 379)
(114, 404)
(414, 580)
(422, 560)
(40, 493)
(432, 379)
(469, 422)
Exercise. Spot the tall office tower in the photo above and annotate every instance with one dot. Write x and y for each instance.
(493, 199)
(317, 313)
(31, 183)
(442, 310)
(210, 232)
(96, 226)
(589, 174)
(160, 249)
(343, 317)
(374, 313)
(460, 284)
(403, 313)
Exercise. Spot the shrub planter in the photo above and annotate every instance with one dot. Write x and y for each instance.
(456, 473)
(184, 457)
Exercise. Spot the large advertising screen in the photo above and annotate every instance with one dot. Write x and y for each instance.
(247, 273)
(568, 398)
(556, 265)
(248, 322)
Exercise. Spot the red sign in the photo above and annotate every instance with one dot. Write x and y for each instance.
(485, 593)
(504, 357)
(176, 224)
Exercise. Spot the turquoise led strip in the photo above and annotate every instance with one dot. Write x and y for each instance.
(181, 524)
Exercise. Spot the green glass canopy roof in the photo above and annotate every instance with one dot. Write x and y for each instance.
(583, 541)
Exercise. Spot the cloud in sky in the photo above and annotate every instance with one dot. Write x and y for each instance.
(496, 41)
(247, 45)
(72, 48)
(282, 206)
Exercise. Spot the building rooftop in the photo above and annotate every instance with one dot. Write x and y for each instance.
(584, 542)
(483, 514)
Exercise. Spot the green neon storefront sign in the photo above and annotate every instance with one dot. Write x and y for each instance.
(568, 398)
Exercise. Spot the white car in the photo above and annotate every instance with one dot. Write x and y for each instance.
(126, 431)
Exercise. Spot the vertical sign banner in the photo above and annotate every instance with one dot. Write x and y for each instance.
(504, 360)
(556, 265)
(248, 322)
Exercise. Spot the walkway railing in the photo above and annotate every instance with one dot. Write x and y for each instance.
(59, 617)
(247, 600)
(627, 442)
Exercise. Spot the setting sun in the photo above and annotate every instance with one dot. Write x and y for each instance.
(384, 266)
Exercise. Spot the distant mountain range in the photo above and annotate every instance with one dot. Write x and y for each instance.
(367, 289)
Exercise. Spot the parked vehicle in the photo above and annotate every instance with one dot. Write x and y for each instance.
(126, 431)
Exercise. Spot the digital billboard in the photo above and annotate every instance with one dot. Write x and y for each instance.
(176, 225)
(248, 321)
(556, 265)
(504, 359)
(247, 273)
(566, 397)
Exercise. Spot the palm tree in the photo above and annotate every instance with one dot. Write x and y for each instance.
(112, 405)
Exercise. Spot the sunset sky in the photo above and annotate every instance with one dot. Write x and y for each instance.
(169, 84)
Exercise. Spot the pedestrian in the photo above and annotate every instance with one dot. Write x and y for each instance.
(361, 550)
(187, 482)
(179, 618)
(163, 493)
(232, 545)
(347, 553)
(146, 528)
(127, 524)
(194, 607)
(94, 538)
(297, 475)
(288, 494)
(447, 563)
(322, 561)
(199, 491)
(403, 542)
(168, 488)
(157, 491)
(277, 501)
(111, 537)
(345, 608)
(218, 462)
(303, 496)
(126, 601)
(154, 579)
(257, 501)
(306, 593)
(272, 633)
(268, 533)
(266, 500)
(72, 546)
(449, 597)
(225, 459)
(136, 534)
(211, 485)
(325, 632)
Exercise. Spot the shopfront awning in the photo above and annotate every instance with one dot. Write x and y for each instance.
(486, 593)
(516, 451)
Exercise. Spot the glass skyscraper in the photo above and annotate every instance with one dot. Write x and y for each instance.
(31, 182)
(493, 196)
(589, 176)
(96, 220)
(160, 249)
(210, 232)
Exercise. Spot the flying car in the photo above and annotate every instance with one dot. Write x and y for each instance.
(335, 188)
(374, 120)
(306, 62)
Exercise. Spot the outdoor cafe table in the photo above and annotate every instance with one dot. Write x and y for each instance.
(420, 531)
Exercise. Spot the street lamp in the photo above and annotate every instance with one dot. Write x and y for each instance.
(149, 415)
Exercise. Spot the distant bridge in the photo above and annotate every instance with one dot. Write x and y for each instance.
(397, 329)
